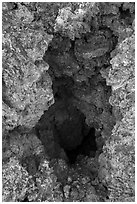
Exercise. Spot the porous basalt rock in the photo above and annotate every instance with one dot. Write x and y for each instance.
(68, 101)
(119, 150)
(26, 85)
(18, 179)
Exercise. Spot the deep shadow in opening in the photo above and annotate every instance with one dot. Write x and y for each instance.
(63, 126)
(70, 132)
(87, 147)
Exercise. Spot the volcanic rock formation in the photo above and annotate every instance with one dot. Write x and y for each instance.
(68, 101)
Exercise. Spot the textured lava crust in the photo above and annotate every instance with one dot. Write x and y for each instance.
(68, 91)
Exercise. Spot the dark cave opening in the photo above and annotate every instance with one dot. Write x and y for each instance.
(63, 126)
(75, 137)
(70, 133)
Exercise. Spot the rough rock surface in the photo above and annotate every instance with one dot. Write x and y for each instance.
(68, 102)
(27, 88)
(119, 150)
